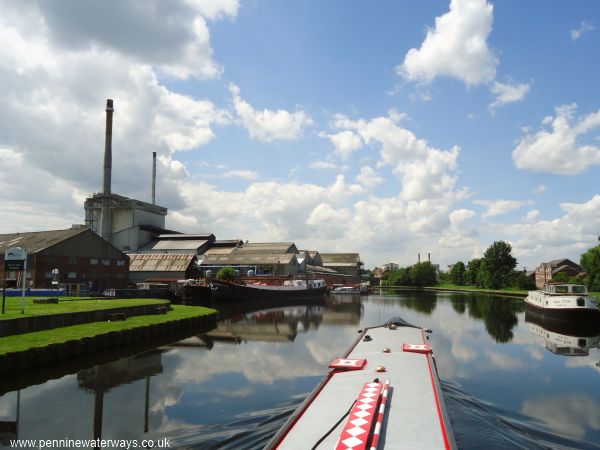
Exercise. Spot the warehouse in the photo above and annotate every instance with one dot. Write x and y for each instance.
(85, 261)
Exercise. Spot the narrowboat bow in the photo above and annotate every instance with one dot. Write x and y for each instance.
(383, 394)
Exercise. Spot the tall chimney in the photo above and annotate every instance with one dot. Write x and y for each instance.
(106, 210)
(428, 256)
(108, 147)
(419, 257)
(154, 178)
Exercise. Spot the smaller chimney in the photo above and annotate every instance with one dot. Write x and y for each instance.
(154, 178)
(428, 256)
(419, 257)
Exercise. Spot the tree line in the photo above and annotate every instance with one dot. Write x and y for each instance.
(496, 269)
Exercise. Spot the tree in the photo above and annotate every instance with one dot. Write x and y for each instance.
(397, 277)
(472, 272)
(457, 274)
(226, 273)
(423, 274)
(497, 266)
(590, 262)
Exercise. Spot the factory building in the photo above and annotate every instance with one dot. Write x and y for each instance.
(347, 264)
(84, 260)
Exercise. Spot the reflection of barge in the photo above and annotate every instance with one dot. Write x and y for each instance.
(388, 385)
(565, 338)
(563, 302)
(296, 289)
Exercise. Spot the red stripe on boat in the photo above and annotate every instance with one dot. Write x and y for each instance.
(357, 430)
(437, 400)
(379, 423)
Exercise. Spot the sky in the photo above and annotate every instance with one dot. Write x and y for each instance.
(390, 129)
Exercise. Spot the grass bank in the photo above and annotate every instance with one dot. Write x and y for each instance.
(40, 339)
(68, 305)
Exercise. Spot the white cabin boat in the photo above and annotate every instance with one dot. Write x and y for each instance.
(563, 301)
(382, 394)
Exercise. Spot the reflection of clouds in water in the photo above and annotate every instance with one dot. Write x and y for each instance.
(505, 362)
(569, 414)
(592, 360)
(335, 343)
(258, 362)
(8, 406)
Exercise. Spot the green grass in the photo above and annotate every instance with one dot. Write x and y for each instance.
(476, 289)
(67, 305)
(26, 341)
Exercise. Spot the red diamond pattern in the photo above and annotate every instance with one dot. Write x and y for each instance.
(358, 428)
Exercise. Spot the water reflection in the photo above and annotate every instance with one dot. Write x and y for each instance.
(234, 386)
(568, 338)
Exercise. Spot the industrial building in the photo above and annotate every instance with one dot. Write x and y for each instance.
(84, 260)
(126, 223)
(261, 258)
(348, 264)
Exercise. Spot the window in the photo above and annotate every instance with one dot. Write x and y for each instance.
(72, 260)
(120, 263)
(72, 275)
(94, 261)
(106, 262)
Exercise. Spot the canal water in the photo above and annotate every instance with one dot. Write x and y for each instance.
(509, 381)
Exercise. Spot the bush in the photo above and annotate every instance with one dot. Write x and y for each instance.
(227, 274)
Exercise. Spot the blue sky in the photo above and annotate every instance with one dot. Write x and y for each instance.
(388, 128)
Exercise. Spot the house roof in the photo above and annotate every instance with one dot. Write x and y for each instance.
(218, 251)
(37, 241)
(247, 258)
(564, 262)
(340, 258)
(160, 262)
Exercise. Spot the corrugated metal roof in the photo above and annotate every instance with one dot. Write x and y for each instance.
(170, 244)
(219, 251)
(319, 269)
(268, 247)
(235, 258)
(37, 241)
(160, 262)
(340, 258)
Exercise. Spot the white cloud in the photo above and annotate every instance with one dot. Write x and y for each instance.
(508, 93)
(567, 236)
(345, 142)
(558, 150)
(244, 174)
(457, 46)
(531, 216)
(498, 207)
(369, 178)
(57, 74)
(585, 27)
(322, 165)
(540, 189)
(425, 172)
(267, 125)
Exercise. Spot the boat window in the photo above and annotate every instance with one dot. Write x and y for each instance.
(577, 289)
(562, 289)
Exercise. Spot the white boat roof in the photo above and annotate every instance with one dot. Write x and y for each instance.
(414, 416)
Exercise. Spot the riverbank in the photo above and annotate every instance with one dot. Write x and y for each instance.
(519, 293)
(43, 347)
